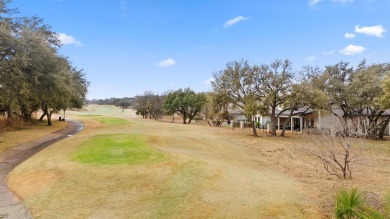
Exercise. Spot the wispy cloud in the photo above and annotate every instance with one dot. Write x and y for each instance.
(234, 21)
(166, 62)
(351, 50)
(311, 58)
(208, 81)
(330, 52)
(123, 5)
(68, 39)
(314, 2)
(349, 35)
(377, 30)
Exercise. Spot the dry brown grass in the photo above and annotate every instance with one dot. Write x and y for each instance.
(27, 132)
(209, 173)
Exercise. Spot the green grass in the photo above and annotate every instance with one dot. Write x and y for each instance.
(117, 149)
(91, 115)
(113, 121)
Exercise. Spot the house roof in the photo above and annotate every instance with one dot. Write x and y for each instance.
(299, 111)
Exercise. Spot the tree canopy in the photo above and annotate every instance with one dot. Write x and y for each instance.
(186, 102)
(33, 74)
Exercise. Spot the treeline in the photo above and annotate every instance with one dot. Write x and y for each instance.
(183, 101)
(33, 75)
(273, 89)
(208, 106)
(124, 102)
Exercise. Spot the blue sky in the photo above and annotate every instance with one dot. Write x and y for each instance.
(129, 46)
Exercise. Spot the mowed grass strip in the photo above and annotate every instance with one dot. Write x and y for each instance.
(117, 149)
(113, 121)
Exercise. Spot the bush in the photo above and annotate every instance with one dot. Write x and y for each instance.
(352, 204)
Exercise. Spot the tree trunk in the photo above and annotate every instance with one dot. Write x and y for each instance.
(273, 124)
(285, 123)
(49, 123)
(43, 116)
(44, 113)
(254, 128)
(383, 128)
(10, 120)
(184, 118)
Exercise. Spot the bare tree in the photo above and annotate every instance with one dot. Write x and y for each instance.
(336, 150)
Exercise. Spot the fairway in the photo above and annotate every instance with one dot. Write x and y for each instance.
(113, 121)
(117, 149)
(151, 169)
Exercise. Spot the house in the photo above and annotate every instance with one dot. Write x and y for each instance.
(306, 118)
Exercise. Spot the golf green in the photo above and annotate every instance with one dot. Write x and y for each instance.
(117, 149)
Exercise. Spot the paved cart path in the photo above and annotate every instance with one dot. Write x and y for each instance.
(11, 206)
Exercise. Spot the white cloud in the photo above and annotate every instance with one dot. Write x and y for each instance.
(311, 58)
(351, 50)
(349, 35)
(377, 30)
(314, 2)
(208, 81)
(234, 21)
(68, 40)
(166, 62)
(330, 52)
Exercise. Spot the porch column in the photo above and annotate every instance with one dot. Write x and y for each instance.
(278, 123)
(292, 124)
(300, 125)
(389, 127)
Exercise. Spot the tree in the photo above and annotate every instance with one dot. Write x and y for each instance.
(12, 59)
(304, 95)
(186, 102)
(140, 105)
(216, 109)
(355, 93)
(368, 90)
(275, 82)
(149, 105)
(32, 73)
(336, 150)
(238, 82)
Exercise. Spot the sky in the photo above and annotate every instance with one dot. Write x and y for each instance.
(127, 47)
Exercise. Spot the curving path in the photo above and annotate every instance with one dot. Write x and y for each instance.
(11, 206)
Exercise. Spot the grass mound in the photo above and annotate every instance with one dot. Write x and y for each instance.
(117, 149)
(113, 121)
